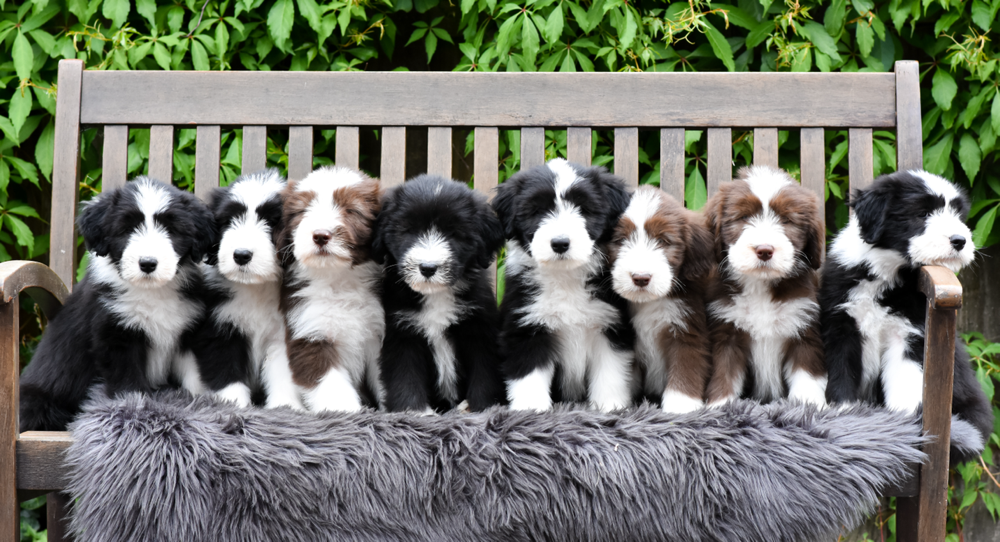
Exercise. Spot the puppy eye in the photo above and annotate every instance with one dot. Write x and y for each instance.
(353, 211)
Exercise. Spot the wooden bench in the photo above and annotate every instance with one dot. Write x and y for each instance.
(30, 463)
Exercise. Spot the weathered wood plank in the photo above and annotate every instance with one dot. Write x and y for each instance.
(578, 145)
(114, 170)
(859, 156)
(812, 156)
(206, 160)
(439, 151)
(9, 374)
(40, 457)
(672, 162)
(720, 158)
(909, 133)
(393, 156)
(532, 147)
(161, 153)
(765, 147)
(627, 155)
(254, 149)
(57, 517)
(300, 151)
(65, 171)
(348, 147)
(486, 174)
(515, 99)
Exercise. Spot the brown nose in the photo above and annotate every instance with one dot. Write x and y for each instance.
(641, 279)
(322, 237)
(764, 252)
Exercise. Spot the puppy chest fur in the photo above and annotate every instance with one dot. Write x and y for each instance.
(439, 311)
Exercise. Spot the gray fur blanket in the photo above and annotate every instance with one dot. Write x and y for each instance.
(173, 468)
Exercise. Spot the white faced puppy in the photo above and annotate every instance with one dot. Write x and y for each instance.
(564, 330)
(128, 322)
(438, 238)
(330, 290)
(661, 255)
(763, 313)
(241, 346)
(872, 309)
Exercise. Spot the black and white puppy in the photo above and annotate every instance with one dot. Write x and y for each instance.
(124, 323)
(241, 346)
(872, 309)
(565, 332)
(437, 238)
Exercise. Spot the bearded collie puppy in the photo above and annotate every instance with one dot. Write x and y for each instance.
(565, 333)
(330, 289)
(241, 346)
(661, 255)
(873, 311)
(438, 238)
(763, 312)
(126, 323)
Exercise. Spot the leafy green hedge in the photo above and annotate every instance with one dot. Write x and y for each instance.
(952, 39)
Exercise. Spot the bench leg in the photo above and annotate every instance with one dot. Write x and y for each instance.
(10, 509)
(57, 517)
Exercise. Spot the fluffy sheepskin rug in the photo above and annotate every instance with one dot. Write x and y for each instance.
(169, 467)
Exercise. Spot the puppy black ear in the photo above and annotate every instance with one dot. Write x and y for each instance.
(90, 222)
(699, 257)
(491, 235)
(617, 197)
(203, 226)
(215, 201)
(504, 204)
(380, 249)
(713, 218)
(871, 207)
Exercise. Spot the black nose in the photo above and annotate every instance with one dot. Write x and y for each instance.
(958, 242)
(764, 252)
(428, 269)
(641, 279)
(560, 245)
(148, 265)
(322, 237)
(242, 256)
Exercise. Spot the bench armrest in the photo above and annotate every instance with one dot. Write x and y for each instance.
(941, 286)
(38, 280)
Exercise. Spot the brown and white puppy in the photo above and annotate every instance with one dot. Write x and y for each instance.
(763, 312)
(330, 292)
(661, 256)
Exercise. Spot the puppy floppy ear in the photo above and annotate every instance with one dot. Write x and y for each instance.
(815, 239)
(90, 222)
(699, 255)
(205, 234)
(380, 251)
(713, 218)
(618, 197)
(491, 235)
(504, 204)
(871, 207)
(215, 201)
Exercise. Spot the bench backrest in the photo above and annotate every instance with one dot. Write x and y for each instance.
(486, 102)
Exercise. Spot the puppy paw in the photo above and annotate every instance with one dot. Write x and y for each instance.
(675, 402)
(236, 393)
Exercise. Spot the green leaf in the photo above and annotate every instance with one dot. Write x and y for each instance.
(945, 21)
(554, 25)
(981, 14)
(24, 57)
(631, 26)
(984, 227)
(986, 382)
(41, 17)
(817, 34)
(833, 18)
(737, 16)
(161, 55)
(21, 232)
(199, 57)
(695, 192)
(866, 38)
(467, 5)
(760, 33)
(567, 64)
(147, 8)
(720, 46)
(529, 44)
(581, 17)
(938, 156)
(802, 61)
(995, 112)
(24, 210)
(430, 45)
(944, 88)
(279, 23)
(312, 13)
(25, 169)
(44, 149)
(863, 6)
(969, 156)
(4, 176)
(117, 11)
(20, 108)
(970, 497)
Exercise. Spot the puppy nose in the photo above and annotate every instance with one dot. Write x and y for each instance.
(641, 279)
(560, 244)
(764, 252)
(242, 256)
(428, 269)
(147, 265)
(957, 242)
(322, 237)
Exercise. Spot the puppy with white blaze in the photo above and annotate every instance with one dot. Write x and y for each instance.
(330, 289)
(763, 312)
(565, 333)
(241, 346)
(661, 255)
(873, 310)
(437, 238)
(128, 323)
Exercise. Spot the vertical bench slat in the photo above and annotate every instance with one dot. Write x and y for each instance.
(206, 159)
(254, 149)
(859, 157)
(578, 145)
(65, 174)
(115, 166)
(161, 153)
(627, 155)
(672, 162)
(439, 151)
(765, 147)
(393, 167)
(10, 364)
(348, 147)
(300, 151)
(909, 133)
(486, 174)
(532, 147)
(720, 158)
(812, 154)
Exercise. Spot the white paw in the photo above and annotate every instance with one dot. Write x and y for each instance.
(610, 405)
(287, 399)
(720, 402)
(805, 388)
(675, 402)
(537, 403)
(335, 404)
(532, 391)
(237, 393)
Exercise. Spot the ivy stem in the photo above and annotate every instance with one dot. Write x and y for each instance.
(200, 15)
(988, 473)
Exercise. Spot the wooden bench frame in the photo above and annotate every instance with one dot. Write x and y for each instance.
(30, 463)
